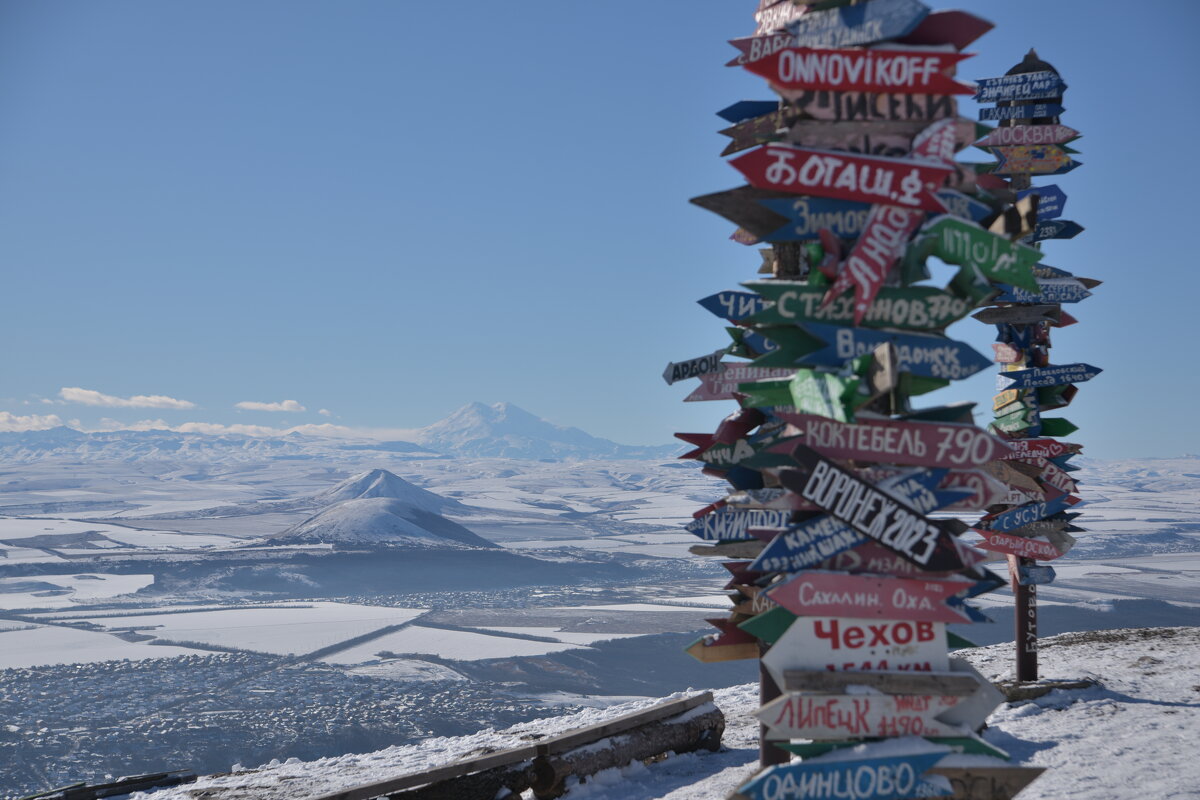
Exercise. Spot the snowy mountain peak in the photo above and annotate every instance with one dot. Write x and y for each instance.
(381, 483)
(505, 430)
(381, 521)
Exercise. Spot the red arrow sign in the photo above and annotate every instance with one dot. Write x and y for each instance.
(837, 594)
(894, 71)
(1019, 546)
(883, 241)
(829, 173)
(1033, 448)
(926, 444)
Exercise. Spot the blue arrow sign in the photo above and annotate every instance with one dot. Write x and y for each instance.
(1034, 574)
(1021, 516)
(839, 775)
(1047, 271)
(921, 354)
(1051, 290)
(847, 26)
(965, 206)
(807, 215)
(1036, 111)
(1051, 201)
(747, 109)
(1054, 229)
(810, 542)
(732, 305)
(1036, 377)
(1022, 86)
(731, 524)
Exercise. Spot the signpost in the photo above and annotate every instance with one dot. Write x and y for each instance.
(840, 567)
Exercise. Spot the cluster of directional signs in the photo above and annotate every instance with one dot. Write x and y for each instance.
(840, 526)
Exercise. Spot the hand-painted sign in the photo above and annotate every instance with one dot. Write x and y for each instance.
(1019, 315)
(1054, 229)
(1050, 290)
(919, 443)
(863, 106)
(740, 206)
(1051, 201)
(957, 241)
(1035, 111)
(808, 215)
(731, 305)
(1021, 86)
(714, 648)
(830, 173)
(1020, 516)
(1019, 546)
(871, 137)
(775, 16)
(883, 242)
(1037, 159)
(929, 356)
(844, 644)
(836, 594)
(965, 206)
(831, 716)
(864, 778)
(730, 525)
(722, 384)
(1046, 376)
(1039, 448)
(921, 308)
(746, 109)
(845, 26)
(694, 368)
(876, 70)
(757, 130)
(873, 513)
(1028, 134)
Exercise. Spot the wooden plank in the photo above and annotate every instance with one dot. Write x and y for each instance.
(825, 682)
(836, 594)
(892, 70)
(988, 783)
(809, 716)
(603, 730)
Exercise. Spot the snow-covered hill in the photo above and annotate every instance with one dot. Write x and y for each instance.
(502, 430)
(379, 483)
(1133, 733)
(380, 521)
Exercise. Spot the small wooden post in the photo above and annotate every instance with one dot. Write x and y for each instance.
(1026, 621)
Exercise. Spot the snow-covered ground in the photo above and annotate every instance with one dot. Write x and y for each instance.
(1133, 733)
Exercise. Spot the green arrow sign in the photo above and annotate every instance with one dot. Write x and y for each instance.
(959, 241)
(919, 308)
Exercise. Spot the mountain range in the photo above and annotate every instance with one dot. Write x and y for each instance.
(500, 430)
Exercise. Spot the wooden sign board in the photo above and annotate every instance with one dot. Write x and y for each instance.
(867, 645)
(1036, 159)
(957, 241)
(1041, 85)
(867, 510)
(868, 106)
(845, 26)
(807, 216)
(883, 778)
(1019, 315)
(847, 176)
(921, 308)
(1052, 200)
(1013, 545)
(740, 206)
(1055, 375)
(1054, 229)
(988, 783)
(870, 137)
(924, 444)
(1040, 448)
(892, 70)
(955, 28)
(807, 716)
(732, 305)
(952, 684)
(1050, 291)
(722, 384)
(883, 242)
(926, 355)
(1028, 135)
(731, 524)
(746, 109)
(834, 594)
(1035, 111)
(1023, 515)
(693, 368)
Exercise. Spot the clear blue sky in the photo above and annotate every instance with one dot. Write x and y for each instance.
(389, 209)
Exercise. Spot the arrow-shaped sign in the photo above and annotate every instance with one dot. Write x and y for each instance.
(838, 594)
(1051, 201)
(730, 525)
(1034, 574)
(897, 71)
(1021, 516)
(1027, 135)
(824, 716)
(693, 368)
(1038, 159)
(1021, 86)
(746, 109)
(1050, 291)
(740, 206)
(848, 176)
(1019, 315)
(834, 776)
(1035, 111)
(733, 306)
(955, 28)
(807, 216)
(722, 384)
(957, 241)
(1020, 546)
(922, 308)
(1054, 229)
(868, 510)
(1046, 376)
(924, 444)
(926, 355)
(1039, 448)
(845, 26)
(963, 205)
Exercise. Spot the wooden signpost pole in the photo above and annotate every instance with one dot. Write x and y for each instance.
(1025, 344)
